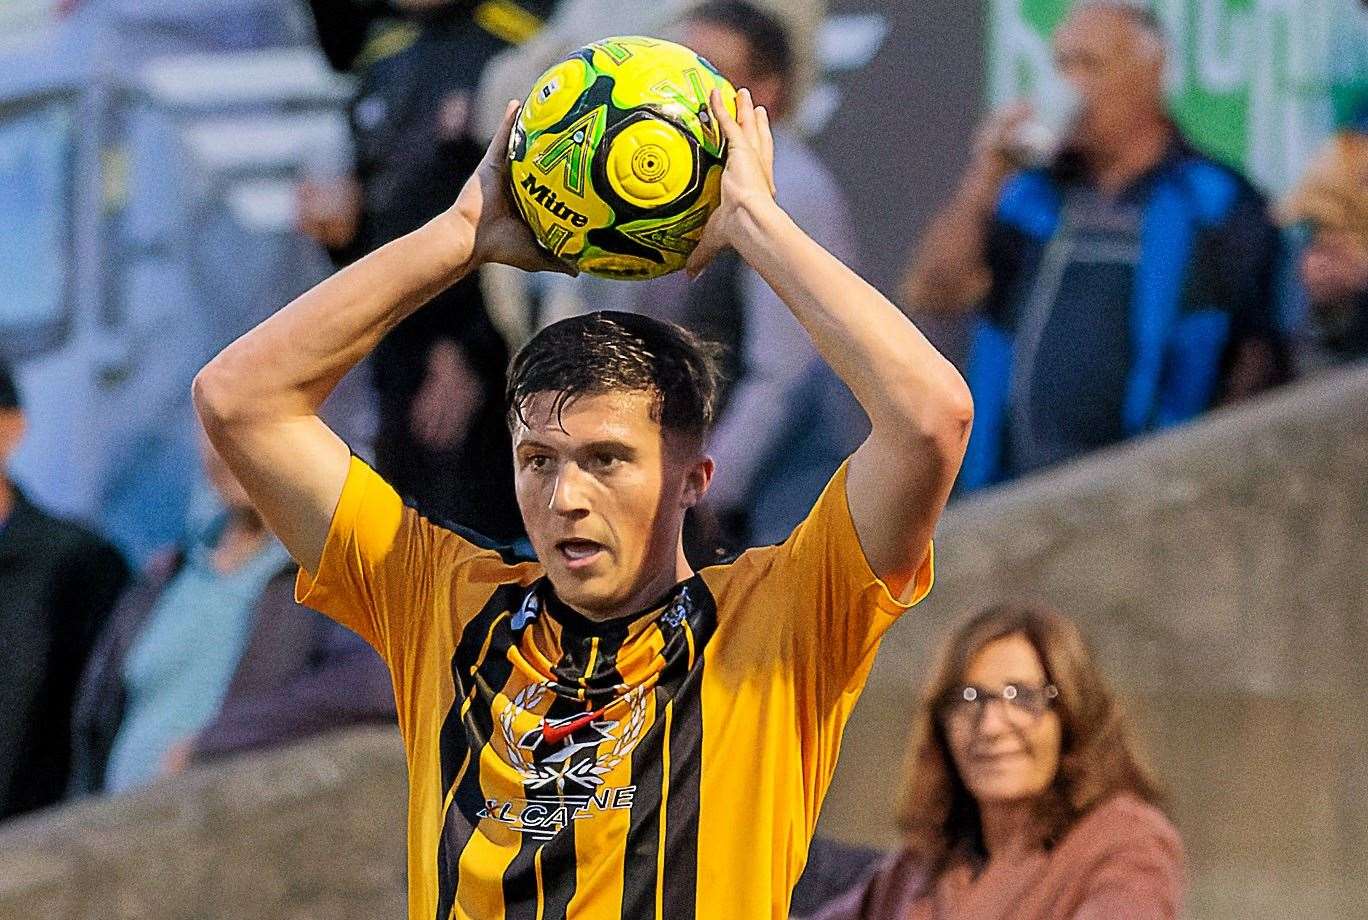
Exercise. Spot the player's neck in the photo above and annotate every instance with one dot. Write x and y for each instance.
(648, 594)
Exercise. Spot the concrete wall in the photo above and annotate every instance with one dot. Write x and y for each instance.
(310, 833)
(1220, 570)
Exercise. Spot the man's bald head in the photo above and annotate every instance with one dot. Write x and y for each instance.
(1113, 52)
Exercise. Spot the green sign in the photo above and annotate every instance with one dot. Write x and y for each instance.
(1258, 83)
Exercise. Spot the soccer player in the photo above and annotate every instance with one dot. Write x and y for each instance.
(604, 733)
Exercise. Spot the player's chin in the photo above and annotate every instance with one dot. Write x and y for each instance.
(576, 583)
(585, 594)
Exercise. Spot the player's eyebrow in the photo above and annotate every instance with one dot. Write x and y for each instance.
(611, 446)
(529, 444)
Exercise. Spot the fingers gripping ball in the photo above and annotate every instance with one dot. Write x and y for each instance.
(615, 159)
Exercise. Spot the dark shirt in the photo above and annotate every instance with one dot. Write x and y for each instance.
(1106, 318)
(58, 582)
(1073, 344)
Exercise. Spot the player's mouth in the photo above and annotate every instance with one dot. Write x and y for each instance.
(579, 554)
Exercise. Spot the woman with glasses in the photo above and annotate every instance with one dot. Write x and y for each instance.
(1025, 796)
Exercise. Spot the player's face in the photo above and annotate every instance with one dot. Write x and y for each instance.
(1006, 754)
(603, 490)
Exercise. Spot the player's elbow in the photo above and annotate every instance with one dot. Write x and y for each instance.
(215, 396)
(958, 410)
(940, 412)
(948, 435)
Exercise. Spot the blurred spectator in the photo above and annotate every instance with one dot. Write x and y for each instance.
(210, 655)
(575, 23)
(1330, 204)
(786, 421)
(442, 438)
(1025, 796)
(1126, 286)
(831, 870)
(58, 582)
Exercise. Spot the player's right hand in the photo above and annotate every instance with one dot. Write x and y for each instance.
(485, 204)
(747, 179)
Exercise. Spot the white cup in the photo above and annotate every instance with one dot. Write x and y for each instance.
(1038, 140)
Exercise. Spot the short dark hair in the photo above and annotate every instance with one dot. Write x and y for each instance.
(9, 392)
(771, 51)
(608, 351)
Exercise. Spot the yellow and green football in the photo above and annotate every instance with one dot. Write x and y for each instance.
(616, 159)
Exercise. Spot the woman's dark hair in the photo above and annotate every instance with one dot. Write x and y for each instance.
(608, 352)
(939, 817)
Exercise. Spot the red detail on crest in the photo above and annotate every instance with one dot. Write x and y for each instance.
(555, 734)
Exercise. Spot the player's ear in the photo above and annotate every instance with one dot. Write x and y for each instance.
(697, 480)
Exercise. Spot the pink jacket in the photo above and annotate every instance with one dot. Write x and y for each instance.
(1123, 859)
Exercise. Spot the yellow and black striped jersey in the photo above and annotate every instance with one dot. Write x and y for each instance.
(669, 764)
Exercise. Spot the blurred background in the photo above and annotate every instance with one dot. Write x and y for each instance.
(173, 172)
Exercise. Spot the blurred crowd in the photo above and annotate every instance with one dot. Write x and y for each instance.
(1114, 281)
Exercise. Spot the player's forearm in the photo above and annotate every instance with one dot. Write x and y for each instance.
(903, 383)
(291, 362)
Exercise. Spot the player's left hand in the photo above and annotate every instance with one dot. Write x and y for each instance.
(485, 205)
(747, 180)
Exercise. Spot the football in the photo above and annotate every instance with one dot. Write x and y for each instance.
(615, 157)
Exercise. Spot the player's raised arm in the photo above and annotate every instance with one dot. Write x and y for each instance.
(918, 404)
(259, 398)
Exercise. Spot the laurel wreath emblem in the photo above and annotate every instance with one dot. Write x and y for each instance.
(590, 771)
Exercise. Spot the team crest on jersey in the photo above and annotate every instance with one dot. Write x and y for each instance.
(679, 610)
(550, 755)
(531, 606)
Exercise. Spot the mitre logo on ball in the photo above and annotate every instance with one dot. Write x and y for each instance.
(616, 160)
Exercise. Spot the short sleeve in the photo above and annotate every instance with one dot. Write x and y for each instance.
(841, 607)
(384, 566)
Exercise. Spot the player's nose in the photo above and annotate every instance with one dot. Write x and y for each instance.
(569, 495)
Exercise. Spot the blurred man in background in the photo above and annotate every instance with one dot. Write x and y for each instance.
(1330, 206)
(512, 72)
(57, 584)
(1126, 285)
(441, 436)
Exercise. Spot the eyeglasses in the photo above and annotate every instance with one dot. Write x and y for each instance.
(1023, 705)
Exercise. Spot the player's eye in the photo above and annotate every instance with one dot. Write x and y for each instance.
(538, 463)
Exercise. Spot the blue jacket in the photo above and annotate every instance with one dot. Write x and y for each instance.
(1206, 281)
